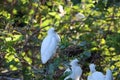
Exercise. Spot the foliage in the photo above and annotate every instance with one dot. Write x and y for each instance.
(23, 25)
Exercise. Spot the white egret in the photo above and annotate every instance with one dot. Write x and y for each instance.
(109, 75)
(61, 11)
(49, 45)
(76, 70)
(79, 16)
(96, 75)
(92, 68)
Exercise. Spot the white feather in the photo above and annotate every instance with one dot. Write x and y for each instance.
(67, 70)
(109, 75)
(79, 16)
(61, 10)
(49, 45)
(96, 75)
(76, 70)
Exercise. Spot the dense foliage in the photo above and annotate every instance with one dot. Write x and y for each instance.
(94, 39)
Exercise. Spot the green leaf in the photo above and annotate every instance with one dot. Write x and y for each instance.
(52, 13)
(87, 54)
(29, 61)
(83, 43)
(102, 41)
(51, 69)
(13, 67)
(46, 22)
(76, 2)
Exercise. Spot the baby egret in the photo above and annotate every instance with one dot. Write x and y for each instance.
(96, 75)
(76, 70)
(49, 45)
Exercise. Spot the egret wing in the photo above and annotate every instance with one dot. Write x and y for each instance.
(52, 47)
(67, 70)
(48, 48)
(109, 75)
(77, 72)
(98, 76)
(90, 77)
(44, 46)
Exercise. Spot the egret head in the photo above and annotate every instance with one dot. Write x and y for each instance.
(92, 67)
(74, 62)
(51, 31)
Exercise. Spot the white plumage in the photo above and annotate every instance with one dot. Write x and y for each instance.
(76, 70)
(96, 75)
(79, 16)
(109, 75)
(92, 68)
(49, 45)
(61, 11)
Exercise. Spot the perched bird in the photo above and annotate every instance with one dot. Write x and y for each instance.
(96, 75)
(92, 68)
(75, 69)
(49, 45)
(61, 11)
(79, 16)
(109, 75)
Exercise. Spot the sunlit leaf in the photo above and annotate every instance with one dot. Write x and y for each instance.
(31, 12)
(17, 37)
(112, 49)
(102, 41)
(9, 0)
(52, 13)
(46, 22)
(14, 11)
(24, 1)
(28, 59)
(94, 48)
(9, 57)
(35, 4)
(14, 38)
(8, 39)
(12, 67)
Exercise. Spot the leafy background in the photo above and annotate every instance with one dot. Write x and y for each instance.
(94, 39)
